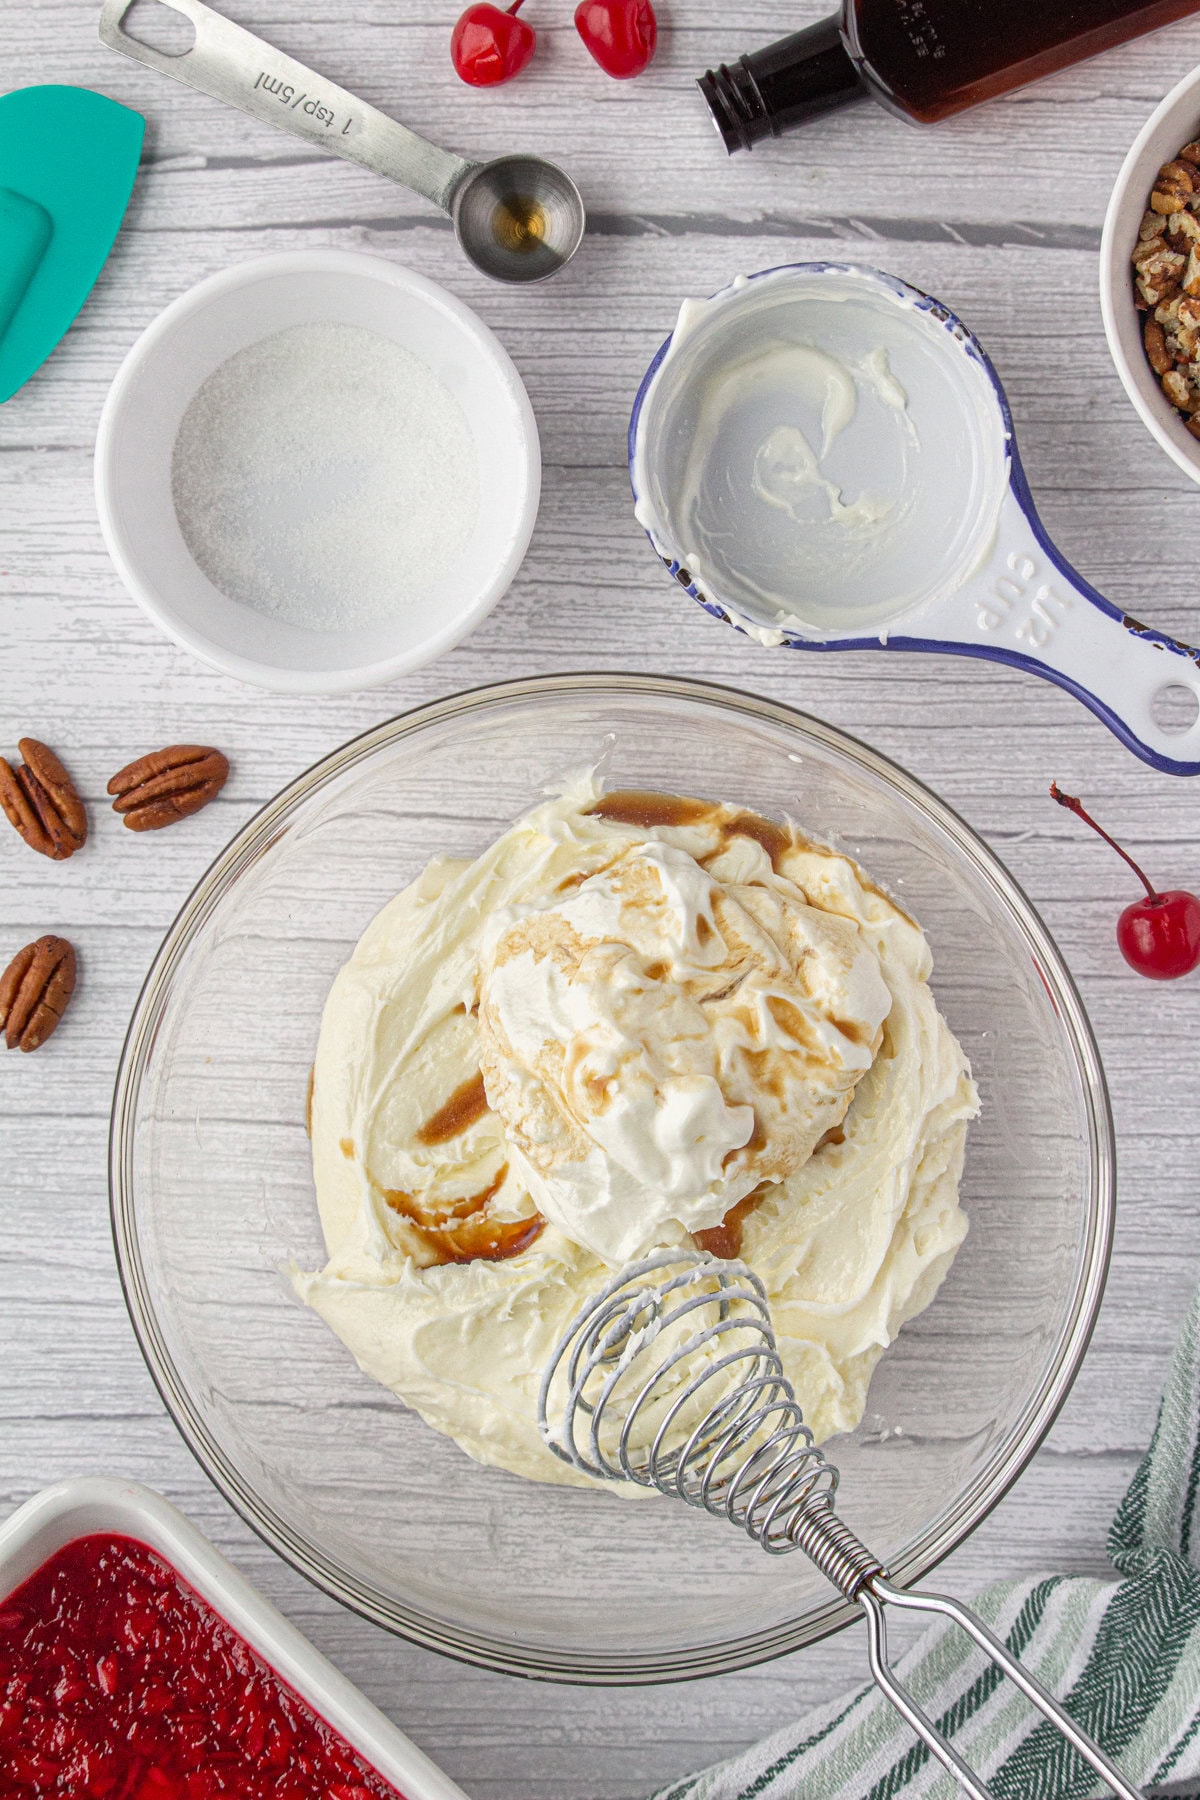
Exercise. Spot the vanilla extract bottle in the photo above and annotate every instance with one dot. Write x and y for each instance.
(923, 59)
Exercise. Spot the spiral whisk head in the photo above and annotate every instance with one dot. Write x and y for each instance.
(670, 1377)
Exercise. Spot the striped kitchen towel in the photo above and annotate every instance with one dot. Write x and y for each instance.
(1125, 1655)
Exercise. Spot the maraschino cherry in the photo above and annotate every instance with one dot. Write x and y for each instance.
(1160, 935)
(619, 34)
(490, 44)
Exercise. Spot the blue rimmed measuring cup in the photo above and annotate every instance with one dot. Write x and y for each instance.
(824, 457)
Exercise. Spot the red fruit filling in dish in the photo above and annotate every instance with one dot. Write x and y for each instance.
(118, 1681)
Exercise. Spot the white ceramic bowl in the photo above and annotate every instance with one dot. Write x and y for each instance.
(1174, 122)
(73, 1509)
(221, 316)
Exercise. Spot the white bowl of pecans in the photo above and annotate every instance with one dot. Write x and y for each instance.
(1150, 274)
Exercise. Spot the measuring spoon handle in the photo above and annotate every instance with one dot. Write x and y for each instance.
(231, 64)
(1028, 607)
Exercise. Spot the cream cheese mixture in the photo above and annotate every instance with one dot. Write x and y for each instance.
(635, 1020)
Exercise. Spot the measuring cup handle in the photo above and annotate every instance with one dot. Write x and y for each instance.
(231, 64)
(1028, 607)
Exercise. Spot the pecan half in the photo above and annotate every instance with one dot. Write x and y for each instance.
(1174, 186)
(167, 785)
(1159, 270)
(34, 991)
(1176, 388)
(41, 801)
(1161, 359)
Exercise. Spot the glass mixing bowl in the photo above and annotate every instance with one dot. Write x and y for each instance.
(212, 1194)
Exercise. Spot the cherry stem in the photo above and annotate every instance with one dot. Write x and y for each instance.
(515, 8)
(1076, 806)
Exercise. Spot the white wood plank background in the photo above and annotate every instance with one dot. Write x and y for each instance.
(999, 213)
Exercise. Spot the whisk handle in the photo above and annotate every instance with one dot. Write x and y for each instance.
(877, 1591)
(902, 1700)
(845, 1561)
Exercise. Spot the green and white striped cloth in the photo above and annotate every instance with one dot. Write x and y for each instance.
(1124, 1654)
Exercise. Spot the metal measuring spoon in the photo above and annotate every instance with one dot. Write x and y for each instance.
(519, 218)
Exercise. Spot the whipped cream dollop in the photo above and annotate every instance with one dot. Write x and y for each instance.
(632, 1018)
(658, 1043)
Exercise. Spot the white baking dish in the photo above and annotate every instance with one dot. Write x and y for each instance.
(73, 1509)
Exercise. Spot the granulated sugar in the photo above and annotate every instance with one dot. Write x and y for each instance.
(325, 475)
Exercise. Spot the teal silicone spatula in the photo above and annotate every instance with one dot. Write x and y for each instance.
(68, 159)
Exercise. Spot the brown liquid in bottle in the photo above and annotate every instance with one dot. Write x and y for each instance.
(930, 58)
(924, 59)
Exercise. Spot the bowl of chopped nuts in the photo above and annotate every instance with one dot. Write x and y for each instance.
(1150, 274)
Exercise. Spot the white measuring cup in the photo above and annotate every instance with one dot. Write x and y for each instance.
(865, 492)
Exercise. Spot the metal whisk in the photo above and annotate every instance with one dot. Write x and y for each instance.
(670, 1377)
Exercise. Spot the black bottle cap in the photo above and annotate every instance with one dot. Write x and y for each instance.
(774, 89)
